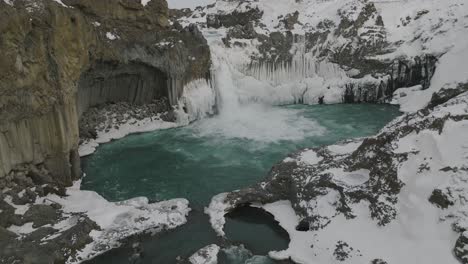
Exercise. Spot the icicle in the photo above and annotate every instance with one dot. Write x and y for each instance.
(198, 99)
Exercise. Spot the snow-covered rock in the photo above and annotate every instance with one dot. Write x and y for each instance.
(116, 220)
(399, 196)
(206, 255)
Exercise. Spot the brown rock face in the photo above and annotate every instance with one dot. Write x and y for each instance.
(57, 61)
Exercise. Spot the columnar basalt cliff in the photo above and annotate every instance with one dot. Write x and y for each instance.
(60, 58)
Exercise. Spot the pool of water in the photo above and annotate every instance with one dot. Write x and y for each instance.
(215, 155)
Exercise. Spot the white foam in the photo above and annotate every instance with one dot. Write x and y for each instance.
(260, 123)
(216, 210)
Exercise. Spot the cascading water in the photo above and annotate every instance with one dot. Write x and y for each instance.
(241, 115)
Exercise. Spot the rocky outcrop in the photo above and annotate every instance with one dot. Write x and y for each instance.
(60, 59)
(234, 18)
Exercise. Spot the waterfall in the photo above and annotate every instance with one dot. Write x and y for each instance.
(228, 98)
(238, 83)
(245, 107)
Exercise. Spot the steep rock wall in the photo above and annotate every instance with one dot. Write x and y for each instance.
(59, 60)
(135, 83)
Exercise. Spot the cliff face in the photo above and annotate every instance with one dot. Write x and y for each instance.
(59, 59)
(313, 51)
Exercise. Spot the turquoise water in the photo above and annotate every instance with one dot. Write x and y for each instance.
(216, 155)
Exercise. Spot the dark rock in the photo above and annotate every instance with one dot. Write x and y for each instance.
(242, 32)
(461, 248)
(60, 191)
(378, 261)
(233, 19)
(440, 199)
(39, 175)
(303, 226)
(41, 214)
(342, 251)
(290, 20)
(32, 249)
(446, 94)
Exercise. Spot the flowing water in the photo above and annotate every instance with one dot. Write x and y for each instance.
(229, 151)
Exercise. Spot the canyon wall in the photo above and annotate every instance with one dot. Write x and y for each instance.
(60, 58)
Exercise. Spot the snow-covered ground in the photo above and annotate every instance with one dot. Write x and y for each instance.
(119, 220)
(177, 4)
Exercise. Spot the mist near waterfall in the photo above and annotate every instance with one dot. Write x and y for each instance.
(251, 119)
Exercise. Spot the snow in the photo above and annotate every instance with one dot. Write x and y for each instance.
(117, 220)
(22, 230)
(19, 209)
(405, 98)
(206, 255)
(145, 2)
(450, 71)
(60, 3)
(177, 4)
(63, 226)
(345, 147)
(353, 178)
(310, 157)
(111, 36)
(421, 232)
(8, 2)
(131, 126)
(396, 244)
(216, 210)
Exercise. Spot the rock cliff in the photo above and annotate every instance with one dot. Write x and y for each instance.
(61, 57)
